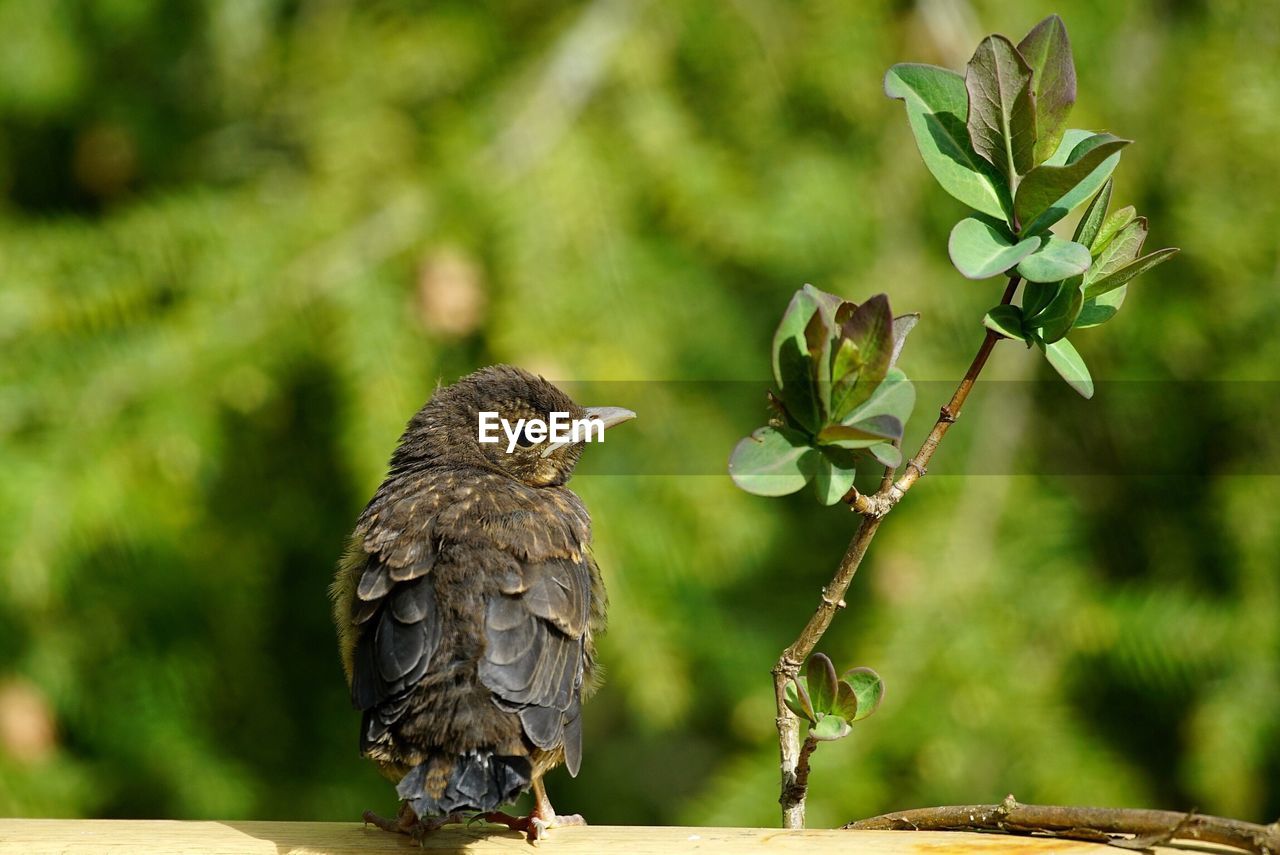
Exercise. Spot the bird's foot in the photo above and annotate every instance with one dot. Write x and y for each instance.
(535, 826)
(402, 824)
(409, 823)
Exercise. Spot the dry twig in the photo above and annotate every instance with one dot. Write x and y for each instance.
(1125, 827)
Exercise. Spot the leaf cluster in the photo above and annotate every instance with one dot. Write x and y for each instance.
(831, 704)
(1050, 310)
(840, 397)
(996, 138)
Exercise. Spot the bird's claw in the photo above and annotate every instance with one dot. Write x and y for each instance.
(400, 825)
(497, 817)
(534, 826)
(410, 824)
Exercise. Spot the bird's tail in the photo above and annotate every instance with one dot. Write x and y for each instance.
(476, 780)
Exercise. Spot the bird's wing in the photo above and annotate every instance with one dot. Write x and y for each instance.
(536, 629)
(529, 547)
(538, 620)
(393, 627)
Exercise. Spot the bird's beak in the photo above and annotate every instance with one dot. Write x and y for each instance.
(608, 416)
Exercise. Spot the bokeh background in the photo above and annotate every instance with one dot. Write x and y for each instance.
(242, 240)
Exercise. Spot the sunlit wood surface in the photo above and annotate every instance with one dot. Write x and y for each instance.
(88, 837)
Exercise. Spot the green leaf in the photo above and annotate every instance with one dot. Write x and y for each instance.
(886, 454)
(1072, 138)
(1094, 215)
(1035, 297)
(817, 333)
(981, 247)
(830, 304)
(832, 479)
(817, 336)
(1056, 258)
(821, 680)
(1067, 362)
(1118, 278)
(794, 320)
(1118, 252)
(1002, 117)
(1036, 300)
(796, 697)
(1111, 227)
(895, 396)
(1054, 320)
(830, 728)
(937, 109)
(846, 365)
(1005, 320)
(869, 689)
(1048, 193)
(846, 701)
(863, 434)
(791, 363)
(772, 462)
(902, 327)
(1053, 81)
(1099, 310)
(870, 329)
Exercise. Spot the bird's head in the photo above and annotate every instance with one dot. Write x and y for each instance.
(518, 412)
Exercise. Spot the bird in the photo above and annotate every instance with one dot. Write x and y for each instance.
(468, 604)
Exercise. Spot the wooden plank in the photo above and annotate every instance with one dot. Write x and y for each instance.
(118, 837)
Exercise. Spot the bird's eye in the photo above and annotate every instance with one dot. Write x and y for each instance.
(524, 440)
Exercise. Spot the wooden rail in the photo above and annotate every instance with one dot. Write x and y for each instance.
(148, 837)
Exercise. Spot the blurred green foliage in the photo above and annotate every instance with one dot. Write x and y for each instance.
(240, 242)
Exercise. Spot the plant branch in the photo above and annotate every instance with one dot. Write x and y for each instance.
(788, 666)
(873, 508)
(1141, 829)
(950, 412)
(882, 501)
(800, 785)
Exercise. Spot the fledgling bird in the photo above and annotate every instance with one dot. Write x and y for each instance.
(467, 606)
